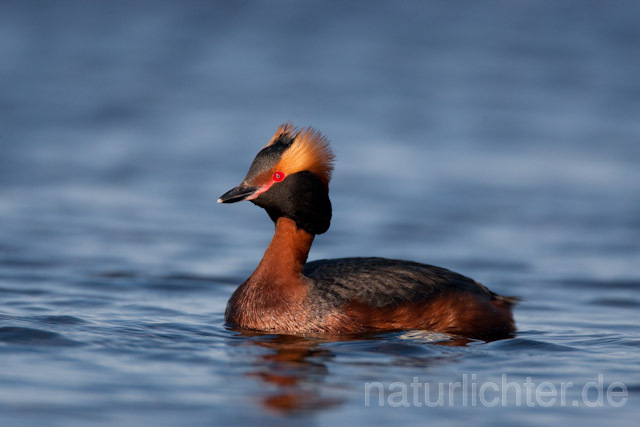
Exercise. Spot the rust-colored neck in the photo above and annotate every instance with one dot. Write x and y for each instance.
(273, 297)
(286, 254)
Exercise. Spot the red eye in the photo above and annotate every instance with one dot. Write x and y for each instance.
(278, 176)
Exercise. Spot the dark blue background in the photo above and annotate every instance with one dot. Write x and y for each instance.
(500, 139)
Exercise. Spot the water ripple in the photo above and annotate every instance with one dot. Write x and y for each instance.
(33, 337)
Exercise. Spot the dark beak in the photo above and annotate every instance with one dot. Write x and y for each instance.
(237, 194)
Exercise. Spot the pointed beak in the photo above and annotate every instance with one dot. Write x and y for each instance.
(238, 194)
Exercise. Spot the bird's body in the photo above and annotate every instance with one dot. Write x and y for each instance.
(289, 178)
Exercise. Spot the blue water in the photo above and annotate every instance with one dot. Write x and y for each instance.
(499, 139)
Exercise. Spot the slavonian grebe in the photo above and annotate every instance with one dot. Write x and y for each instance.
(289, 178)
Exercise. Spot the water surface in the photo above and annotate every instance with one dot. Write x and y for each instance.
(496, 139)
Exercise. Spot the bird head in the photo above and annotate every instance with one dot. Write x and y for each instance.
(290, 177)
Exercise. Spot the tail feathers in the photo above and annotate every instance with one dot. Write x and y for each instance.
(507, 302)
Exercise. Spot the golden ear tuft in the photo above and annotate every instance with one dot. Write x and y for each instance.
(309, 151)
(285, 130)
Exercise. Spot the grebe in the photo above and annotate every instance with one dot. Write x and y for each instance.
(289, 178)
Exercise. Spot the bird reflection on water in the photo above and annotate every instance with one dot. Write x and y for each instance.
(294, 365)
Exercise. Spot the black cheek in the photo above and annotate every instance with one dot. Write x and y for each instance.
(302, 197)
